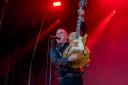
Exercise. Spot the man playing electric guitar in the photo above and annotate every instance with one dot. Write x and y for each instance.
(69, 57)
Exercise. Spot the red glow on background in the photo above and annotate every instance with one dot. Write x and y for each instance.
(58, 3)
(100, 28)
(9, 62)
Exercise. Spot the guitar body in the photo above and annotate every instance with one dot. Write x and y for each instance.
(76, 46)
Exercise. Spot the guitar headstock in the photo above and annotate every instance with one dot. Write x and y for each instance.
(82, 4)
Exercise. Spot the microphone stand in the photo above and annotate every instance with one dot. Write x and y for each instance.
(50, 70)
(50, 63)
(38, 37)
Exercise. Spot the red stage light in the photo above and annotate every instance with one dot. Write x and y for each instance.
(114, 11)
(58, 3)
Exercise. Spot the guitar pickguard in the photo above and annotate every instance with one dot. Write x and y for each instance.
(77, 44)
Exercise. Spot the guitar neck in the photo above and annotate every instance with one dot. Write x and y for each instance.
(78, 27)
(82, 4)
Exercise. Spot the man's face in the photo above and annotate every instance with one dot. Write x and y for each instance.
(62, 34)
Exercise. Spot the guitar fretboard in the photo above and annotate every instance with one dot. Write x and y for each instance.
(82, 4)
(78, 27)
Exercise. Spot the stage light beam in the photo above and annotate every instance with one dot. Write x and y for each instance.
(100, 28)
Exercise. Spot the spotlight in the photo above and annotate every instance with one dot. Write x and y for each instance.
(58, 3)
(114, 11)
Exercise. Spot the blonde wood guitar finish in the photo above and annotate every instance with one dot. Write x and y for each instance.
(82, 54)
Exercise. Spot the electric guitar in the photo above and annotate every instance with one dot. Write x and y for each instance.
(77, 44)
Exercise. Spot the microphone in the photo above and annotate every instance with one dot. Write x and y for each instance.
(54, 37)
